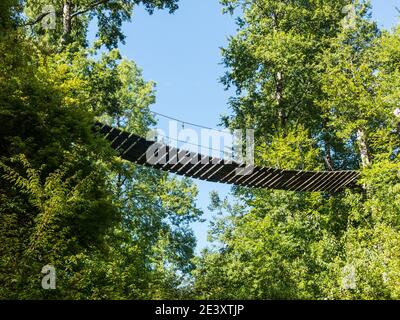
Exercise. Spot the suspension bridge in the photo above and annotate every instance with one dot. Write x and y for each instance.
(135, 149)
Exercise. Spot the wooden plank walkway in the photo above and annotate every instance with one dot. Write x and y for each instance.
(134, 149)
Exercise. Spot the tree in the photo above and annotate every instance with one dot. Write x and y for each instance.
(273, 62)
(76, 15)
(314, 94)
(110, 228)
(349, 82)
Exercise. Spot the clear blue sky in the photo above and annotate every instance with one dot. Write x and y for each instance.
(180, 52)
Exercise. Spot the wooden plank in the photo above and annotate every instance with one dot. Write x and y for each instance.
(134, 148)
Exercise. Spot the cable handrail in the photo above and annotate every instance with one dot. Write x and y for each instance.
(186, 122)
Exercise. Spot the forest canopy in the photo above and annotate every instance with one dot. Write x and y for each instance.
(319, 83)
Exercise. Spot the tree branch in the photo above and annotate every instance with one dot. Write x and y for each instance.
(90, 7)
(37, 20)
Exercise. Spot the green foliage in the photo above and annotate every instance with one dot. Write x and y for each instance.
(317, 82)
(73, 18)
(111, 229)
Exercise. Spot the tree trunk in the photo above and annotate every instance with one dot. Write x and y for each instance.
(67, 21)
(279, 87)
(363, 146)
(328, 149)
(328, 156)
(279, 101)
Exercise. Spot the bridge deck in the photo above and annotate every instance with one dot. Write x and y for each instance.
(133, 148)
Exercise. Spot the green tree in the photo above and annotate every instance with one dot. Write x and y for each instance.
(319, 83)
(111, 229)
(73, 18)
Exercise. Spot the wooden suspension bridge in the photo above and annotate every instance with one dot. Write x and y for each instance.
(134, 148)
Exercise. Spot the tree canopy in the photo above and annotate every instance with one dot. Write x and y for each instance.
(111, 229)
(319, 83)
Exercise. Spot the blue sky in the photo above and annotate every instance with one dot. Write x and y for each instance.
(181, 53)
